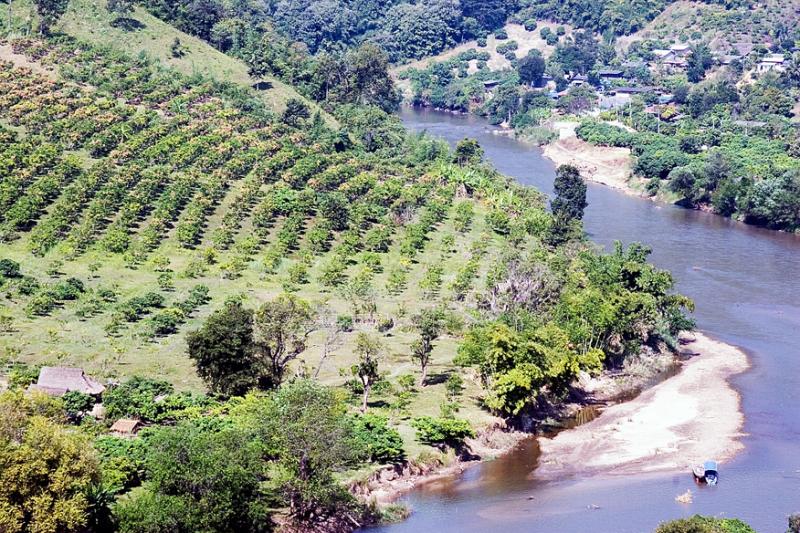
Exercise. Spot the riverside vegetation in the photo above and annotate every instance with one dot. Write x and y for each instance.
(723, 141)
(285, 304)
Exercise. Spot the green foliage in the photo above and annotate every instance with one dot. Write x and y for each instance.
(49, 12)
(381, 442)
(136, 398)
(531, 68)
(703, 524)
(76, 402)
(366, 370)
(199, 480)
(568, 204)
(428, 325)
(442, 431)
(306, 427)
(223, 350)
(454, 385)
(468, 151)
(46, 469)
(9, 269)
(519, 366)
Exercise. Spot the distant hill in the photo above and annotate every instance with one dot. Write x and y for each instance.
(90, 21)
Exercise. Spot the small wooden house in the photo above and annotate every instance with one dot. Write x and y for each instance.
(126, 427)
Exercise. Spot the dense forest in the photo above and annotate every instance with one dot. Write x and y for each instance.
(402, 29)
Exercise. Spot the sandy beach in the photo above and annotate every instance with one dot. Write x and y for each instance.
(602, 164)
(684, 420)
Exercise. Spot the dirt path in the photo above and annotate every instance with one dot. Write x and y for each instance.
(684, 420)
(19, 60)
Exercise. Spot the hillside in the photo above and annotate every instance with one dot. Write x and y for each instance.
(90, 21)
(526, 40)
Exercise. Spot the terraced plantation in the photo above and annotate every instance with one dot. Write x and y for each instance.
(136, 201)
(242, 310)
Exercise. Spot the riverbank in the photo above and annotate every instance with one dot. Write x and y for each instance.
(391, 482)
(607, 165)
(693, 416)
(690, 414)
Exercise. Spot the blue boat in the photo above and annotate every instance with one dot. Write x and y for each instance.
(707, 473)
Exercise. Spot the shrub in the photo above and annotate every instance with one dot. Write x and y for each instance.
(482, 42)
(501, 34)
(499, 221)
(41, 304)
(76, 402)
(530, 24)
(454, 385)
(382, 444)
(21, 375)
(135, 398)
(166, 322)
(9, 269)
(705, 524)
(442, 431)
(506, 47)
(344, 323)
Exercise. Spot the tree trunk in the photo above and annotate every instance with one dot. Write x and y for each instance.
(365, 398)
(424, 376)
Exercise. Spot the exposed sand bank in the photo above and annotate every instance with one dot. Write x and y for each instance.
(684, 420)
(608, 165)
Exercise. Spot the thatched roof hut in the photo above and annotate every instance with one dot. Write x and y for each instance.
(58, 380)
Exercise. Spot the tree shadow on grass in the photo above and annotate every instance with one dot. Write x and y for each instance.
(436, 379)
(128, 24)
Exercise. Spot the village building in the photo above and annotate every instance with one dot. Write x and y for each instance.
(579, 80)
(610, 74)
(673, 66)
(662, 55)
(125, 427)
(681, 50)
(57, 381)
(776, 62)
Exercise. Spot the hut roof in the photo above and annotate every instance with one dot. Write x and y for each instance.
(125, 425)
(58, 380)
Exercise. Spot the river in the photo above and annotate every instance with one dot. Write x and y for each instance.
(746, 284)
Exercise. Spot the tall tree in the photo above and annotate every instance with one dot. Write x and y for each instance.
(570, 193)
(531, 68)
(296, 111)
(699, 61)
(223, 351)
(281, 328)
(428, 324)
(199, 479)
(307, 428)
(568, 204)
(369, 351)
